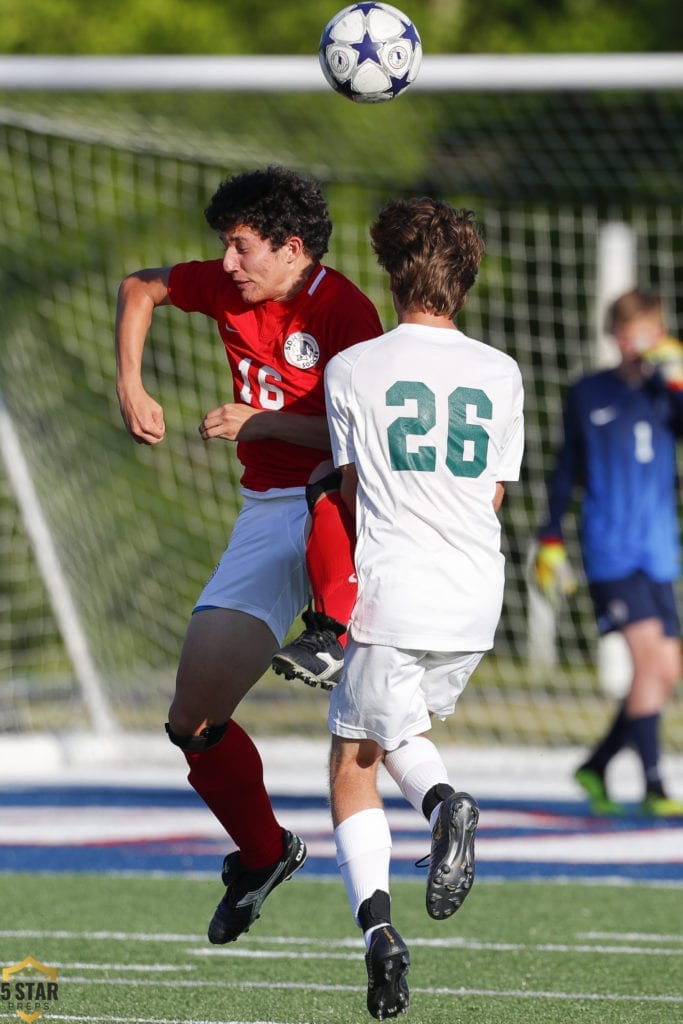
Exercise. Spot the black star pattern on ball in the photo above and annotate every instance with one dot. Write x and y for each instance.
(365, 8)
(367, 49)
(412, 34)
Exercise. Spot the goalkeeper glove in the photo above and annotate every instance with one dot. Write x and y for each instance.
(667, 355)
(553, 573)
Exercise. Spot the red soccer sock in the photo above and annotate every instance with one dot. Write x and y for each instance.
(329, 558)
(229, 779)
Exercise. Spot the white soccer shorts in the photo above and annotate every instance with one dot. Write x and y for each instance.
(262, 570)
(387, 694)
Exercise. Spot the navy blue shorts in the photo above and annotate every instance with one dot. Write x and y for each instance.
(617, 603)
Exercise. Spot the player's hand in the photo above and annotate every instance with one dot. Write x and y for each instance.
(553, 574)
(142, 415)
(667, 356)
(233, 421)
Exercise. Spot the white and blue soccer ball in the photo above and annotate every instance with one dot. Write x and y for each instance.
(370, 52)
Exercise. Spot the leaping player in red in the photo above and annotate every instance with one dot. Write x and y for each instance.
(281, 315)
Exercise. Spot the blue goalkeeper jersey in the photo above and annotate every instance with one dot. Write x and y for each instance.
(619, 446)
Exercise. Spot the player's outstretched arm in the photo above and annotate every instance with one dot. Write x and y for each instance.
(235, 421)
(139, 295)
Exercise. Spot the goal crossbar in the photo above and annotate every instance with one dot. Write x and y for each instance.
(264, 73)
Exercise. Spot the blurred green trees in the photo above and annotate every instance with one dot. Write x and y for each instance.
(290, 26)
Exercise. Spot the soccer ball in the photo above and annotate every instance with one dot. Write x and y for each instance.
(370, 52)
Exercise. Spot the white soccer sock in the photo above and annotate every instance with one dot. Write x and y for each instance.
(415, 766)
(363, 844)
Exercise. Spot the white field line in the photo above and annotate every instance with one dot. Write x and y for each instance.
(144, 968)
(454, 942)
(99, 936)
(141, 1020)
(246, 949)
(630, 937)
(486, 992)
(354, 945)
(611, 997)
(460, 943)
(464, 944)
(273, 954)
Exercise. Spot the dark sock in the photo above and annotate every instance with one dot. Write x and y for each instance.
(434, 796)
(375, 910)
(615, 740)
(644, 736)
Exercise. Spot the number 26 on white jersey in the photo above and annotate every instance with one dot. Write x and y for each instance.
(466, 443)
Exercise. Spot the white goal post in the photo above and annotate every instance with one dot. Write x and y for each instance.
(56, 583)
(438, 73)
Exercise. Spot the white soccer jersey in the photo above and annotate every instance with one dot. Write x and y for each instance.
(432, 420)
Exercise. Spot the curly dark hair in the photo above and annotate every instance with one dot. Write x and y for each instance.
(431, 252)
(276, 202)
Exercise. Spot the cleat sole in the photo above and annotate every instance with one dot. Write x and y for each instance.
(285, 668)
(452, 877)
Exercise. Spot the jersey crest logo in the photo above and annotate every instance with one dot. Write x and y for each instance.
(301, 350)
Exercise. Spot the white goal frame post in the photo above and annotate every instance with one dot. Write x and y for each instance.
(438, 73)
(283, 73)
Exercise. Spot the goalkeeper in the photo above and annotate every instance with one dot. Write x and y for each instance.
(621, 426)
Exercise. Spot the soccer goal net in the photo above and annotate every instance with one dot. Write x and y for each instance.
(104, 545)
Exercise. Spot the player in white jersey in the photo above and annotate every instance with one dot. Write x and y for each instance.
(426, 427)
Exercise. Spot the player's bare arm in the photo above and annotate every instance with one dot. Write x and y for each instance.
(139, 295)
(498, 496)
(235, 421)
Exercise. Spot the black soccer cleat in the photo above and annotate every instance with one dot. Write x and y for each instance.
(316, 656)
(246, 889)
(451, 861)
(387, 961)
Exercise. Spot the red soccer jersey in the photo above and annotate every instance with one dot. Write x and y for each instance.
(277, 352)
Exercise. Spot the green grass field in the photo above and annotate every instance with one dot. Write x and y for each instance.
(133, 949)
